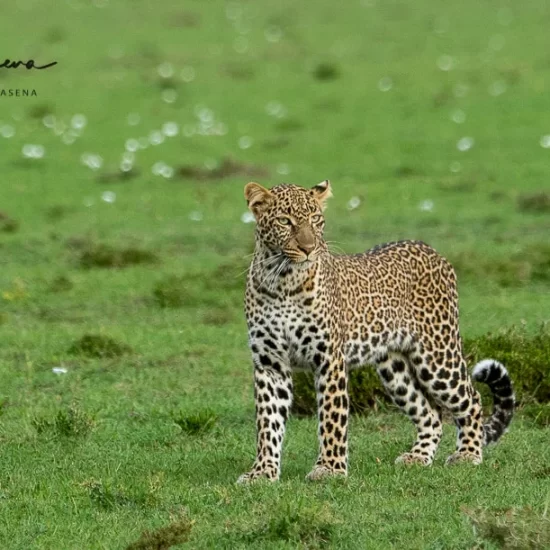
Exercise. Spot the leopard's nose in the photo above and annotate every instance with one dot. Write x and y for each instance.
(307, 248)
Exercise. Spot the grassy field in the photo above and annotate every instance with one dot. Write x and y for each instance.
(126, 407)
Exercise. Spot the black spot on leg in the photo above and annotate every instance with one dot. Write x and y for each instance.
(342, 384)
(398, 366)
(265, 360)
(439, 385)
(322, 347)
(282, 393)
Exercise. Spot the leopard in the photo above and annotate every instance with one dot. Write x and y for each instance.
(393, 307)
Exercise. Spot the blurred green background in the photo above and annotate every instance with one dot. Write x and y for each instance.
(124, 236)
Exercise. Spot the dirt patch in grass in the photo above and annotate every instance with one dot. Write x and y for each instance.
(100, 346)
(227, 168)
(512, 528)
(175, 533)
(106, 256)
(538, 202)
(8, 224)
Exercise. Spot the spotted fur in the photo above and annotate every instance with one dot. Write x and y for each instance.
(394, 307)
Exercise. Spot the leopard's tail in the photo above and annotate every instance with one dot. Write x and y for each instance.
(495, 375)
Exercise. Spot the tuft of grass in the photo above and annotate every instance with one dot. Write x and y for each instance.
(227, 168)
(538, 413)
(307, 527)
(326, 71)
(171, 292)
(176, 532)
(106, 256)
(538, 202)
(105, 496)
(531, 264)
(98, 345)
(7, 224)
(61, 283)
(524, 355)
(197, 423)
(512, 528)
(68, 422)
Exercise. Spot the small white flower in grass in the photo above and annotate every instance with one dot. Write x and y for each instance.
(283, 169)
(108, 196)
(128, 156)
(170, 129)
(157, 168)
(276, 109)
(167, 172)
(248, 217)
(353, 203)
(7, 131)
(245, 142)
(205, 114)
(31, 151)
(187, 74)
(78, 122)
(195, 216)
(497, 88)
(445, 63)
(133, 119)
(455, 167)
(169, 95)
(165, 70)
(156, 138)
(95, 162)
(59, 128)
(59, 370)
(385, 84)
(458, 116)
(426, 205)
(545, 141)
(465, 144)
(126, 165)
(131, 145)
(68, 138)
(48, 121)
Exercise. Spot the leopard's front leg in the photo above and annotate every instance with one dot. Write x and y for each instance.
(273, 397)
(332, 410)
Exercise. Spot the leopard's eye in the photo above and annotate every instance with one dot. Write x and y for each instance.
(316, 219)
(283, 220)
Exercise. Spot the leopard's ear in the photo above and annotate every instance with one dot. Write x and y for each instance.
(257, 197)
(322, 191)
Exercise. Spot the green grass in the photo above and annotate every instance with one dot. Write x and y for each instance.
(140, 299)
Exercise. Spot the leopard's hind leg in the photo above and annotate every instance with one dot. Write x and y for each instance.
(444, 378)
(401, 384)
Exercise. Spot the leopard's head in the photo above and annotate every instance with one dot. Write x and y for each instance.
(290, 218)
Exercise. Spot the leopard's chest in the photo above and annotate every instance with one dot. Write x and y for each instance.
(299, 324)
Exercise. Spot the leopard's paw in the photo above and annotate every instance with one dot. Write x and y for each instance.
(322, 472)
(463, 456)
(413, 458)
